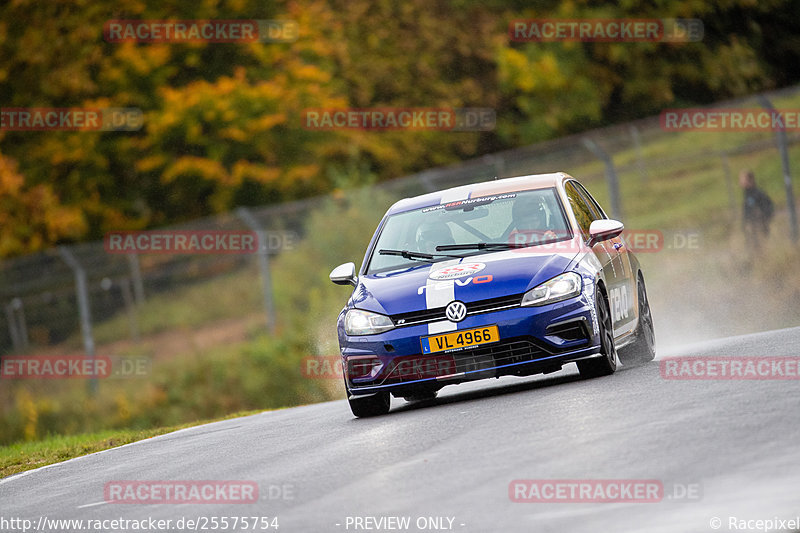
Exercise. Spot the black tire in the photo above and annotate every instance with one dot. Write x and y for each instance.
(643, 348)
(606, 365)
(375, 405)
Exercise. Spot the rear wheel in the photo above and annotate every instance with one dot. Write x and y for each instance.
(643, 348)
(375, 405)
(607, 364)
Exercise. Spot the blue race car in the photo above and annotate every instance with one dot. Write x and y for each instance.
(517, 276)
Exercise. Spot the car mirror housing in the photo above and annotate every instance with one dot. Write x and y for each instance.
(344, 274)
(601, 230)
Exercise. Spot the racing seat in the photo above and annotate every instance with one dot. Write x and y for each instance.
(433, 234)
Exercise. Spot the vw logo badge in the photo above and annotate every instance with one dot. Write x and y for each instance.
(456, 311)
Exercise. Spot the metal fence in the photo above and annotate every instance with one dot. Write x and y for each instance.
(65, 293)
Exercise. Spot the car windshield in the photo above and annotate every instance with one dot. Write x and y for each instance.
(468, 227)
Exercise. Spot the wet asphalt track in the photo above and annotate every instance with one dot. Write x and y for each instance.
(738, 441)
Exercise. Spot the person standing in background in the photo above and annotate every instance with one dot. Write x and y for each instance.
(757, 210)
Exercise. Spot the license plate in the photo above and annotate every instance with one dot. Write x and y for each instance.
(459, 339)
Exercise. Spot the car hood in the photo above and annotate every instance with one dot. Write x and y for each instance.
(473, 278)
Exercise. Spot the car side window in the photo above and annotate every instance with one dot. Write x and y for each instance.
(593, 205)
(583, 213)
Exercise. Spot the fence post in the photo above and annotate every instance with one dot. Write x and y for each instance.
(783, 146)
(130, 306)
(425, 178)
(500, 165)
(127, 299)
(497, 162)
(637, 144)
(136, 279)
(611, 175)
(263, 264)
(83, 308)
(13, 330)
(16, 303)
(726, 169)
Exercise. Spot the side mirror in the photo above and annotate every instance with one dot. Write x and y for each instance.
(602, 230)
(344, 274)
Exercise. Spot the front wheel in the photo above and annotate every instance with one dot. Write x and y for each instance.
(643, 348)
(375, 405)
(607, 364)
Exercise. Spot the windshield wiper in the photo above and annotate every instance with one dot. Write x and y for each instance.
(483, 246)
(415, 255)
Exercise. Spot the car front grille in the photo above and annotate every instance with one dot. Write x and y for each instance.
(473, 308)
(484, 357)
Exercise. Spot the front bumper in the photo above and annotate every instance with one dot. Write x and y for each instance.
(532, 340)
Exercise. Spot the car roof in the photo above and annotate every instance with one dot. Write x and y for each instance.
(474, 190)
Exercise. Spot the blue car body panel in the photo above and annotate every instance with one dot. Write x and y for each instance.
(531, 339)
(511, 272)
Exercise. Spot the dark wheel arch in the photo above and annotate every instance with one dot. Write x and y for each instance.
(606, 364)
(643, 348)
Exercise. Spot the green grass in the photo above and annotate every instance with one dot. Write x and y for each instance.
(23, 456)
(29, 455)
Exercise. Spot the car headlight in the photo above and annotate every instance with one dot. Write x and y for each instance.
(561, 287)
(359, 322)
